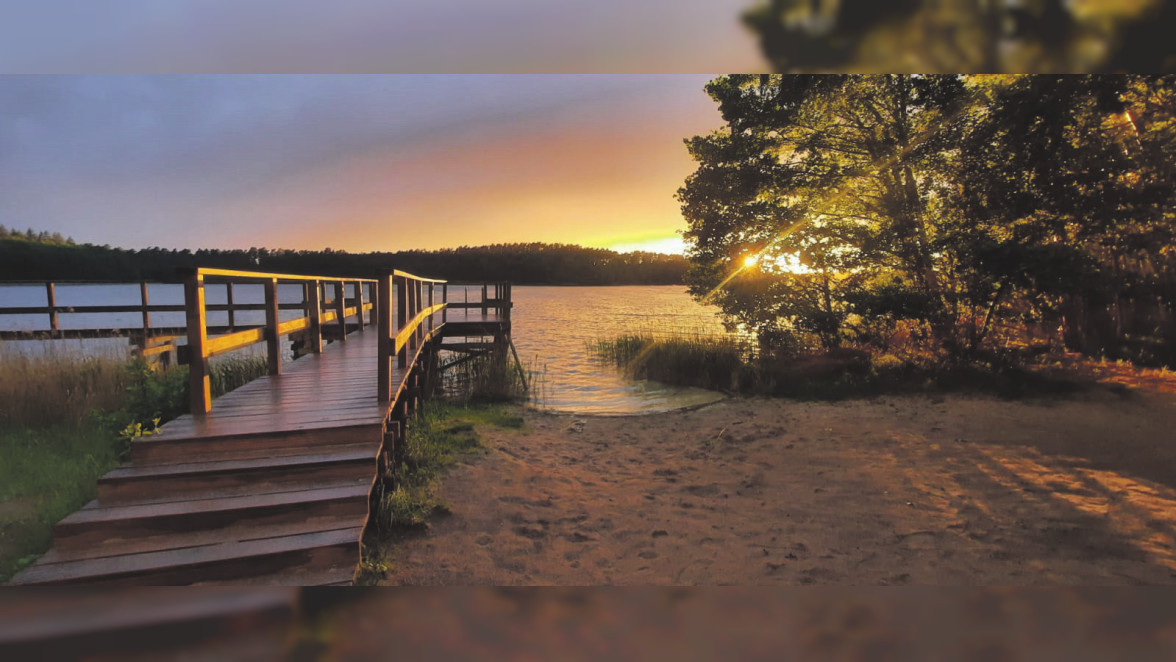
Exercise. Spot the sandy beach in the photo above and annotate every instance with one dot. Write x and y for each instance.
(912, 490)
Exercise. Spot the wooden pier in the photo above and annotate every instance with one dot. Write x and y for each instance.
(272, 484)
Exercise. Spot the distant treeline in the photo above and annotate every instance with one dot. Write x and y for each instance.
(24, 257)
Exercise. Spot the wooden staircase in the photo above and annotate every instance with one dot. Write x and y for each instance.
(275, 509)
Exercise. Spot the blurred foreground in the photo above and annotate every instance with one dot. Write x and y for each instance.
(589, 624)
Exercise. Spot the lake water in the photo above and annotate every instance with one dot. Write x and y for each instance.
(553, 327)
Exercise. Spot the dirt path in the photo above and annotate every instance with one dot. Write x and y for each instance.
(899, 490)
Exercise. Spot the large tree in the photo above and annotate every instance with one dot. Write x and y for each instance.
(829, 184)
(829, 206)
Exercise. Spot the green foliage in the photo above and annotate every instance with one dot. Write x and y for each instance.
(437, 436)
(964, 35)
(45, 474)
(231, 372)
(33, 236)
(965, 213)
(719, 364)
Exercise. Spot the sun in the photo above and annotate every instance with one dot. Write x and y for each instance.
(750, 261)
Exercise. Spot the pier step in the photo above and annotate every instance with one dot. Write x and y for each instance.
(168, 449)
(324, 555)
(133, 623)
(94, 523)
(171, 482)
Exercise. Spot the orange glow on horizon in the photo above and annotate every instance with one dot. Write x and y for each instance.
(666, 245)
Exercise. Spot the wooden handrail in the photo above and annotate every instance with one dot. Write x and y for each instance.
(259, 275)
(201, 347)
(414, 324)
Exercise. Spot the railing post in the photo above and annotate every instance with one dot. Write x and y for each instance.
(146, 313)
(432, 286)
(445, 300)
(357, 291)
(386, 343)
(51, 293)
(198, 385)
(401, 317)
(229, 301)
(273, 342)
(315, 311)
(483, 299)
(341, 310)
(420, 306)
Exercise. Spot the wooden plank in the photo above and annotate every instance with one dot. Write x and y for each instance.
(401, 320)
(199, 388)
(232, 341)
(146, 312)
(385, 348)
(360, 307)
(229, 302)
(314, 311)
(414, 327)
(51, 292)
(258, 275)
(294, 325)
(273, 346)
(341, 309)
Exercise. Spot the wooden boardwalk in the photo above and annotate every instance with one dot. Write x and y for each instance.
(272, 485)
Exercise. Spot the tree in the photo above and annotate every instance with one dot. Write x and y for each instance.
(981, 36)
(1066, 203)
(829, 183)
(832, 205)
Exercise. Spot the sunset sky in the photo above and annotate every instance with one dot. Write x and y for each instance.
(356, 163)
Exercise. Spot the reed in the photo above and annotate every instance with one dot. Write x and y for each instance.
(57, 386)
(703, 361)
(488, 378)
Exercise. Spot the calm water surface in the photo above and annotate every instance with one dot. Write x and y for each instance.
(553, 327)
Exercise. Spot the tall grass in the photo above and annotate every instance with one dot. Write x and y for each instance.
(713, 362)
(61, 415)
(728, 364)
(485, 379)
(55, 387)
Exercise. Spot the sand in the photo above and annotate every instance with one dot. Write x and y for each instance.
(913, 490)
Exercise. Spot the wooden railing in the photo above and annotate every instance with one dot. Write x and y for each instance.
(495, 299)
(415, 324)
(149, 339)
(318, 312)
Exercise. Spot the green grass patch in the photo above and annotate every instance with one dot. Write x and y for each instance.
(440, 434)
(45, 474)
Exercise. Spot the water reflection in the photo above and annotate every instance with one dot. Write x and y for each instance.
(553, 327)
